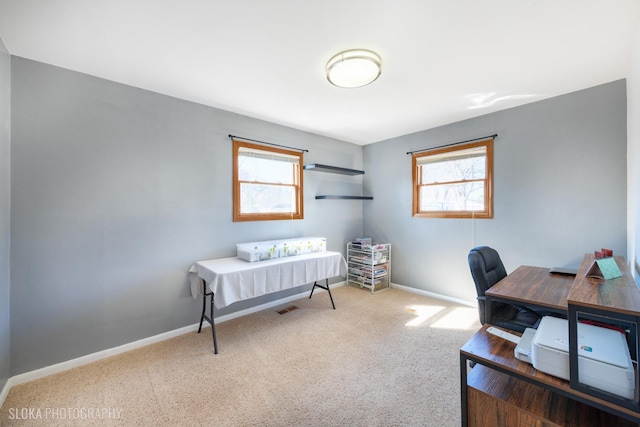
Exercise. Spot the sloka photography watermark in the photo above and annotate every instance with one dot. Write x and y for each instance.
(64, 413)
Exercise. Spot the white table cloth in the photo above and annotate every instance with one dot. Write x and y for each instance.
(233, 279)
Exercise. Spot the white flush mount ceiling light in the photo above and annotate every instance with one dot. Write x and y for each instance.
(354, 68)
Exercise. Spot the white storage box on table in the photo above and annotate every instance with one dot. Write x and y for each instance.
(271, 249)
(603, 355)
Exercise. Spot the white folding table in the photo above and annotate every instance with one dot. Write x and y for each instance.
(232, 279)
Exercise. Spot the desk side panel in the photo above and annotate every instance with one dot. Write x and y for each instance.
(496, 399)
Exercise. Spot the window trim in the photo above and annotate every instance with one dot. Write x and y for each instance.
(266, 216)
(487, 213)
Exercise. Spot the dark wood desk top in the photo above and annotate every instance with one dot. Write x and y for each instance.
(620, 295)
(534, 284)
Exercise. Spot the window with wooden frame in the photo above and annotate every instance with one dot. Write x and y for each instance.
(454, 181)
(267, 183)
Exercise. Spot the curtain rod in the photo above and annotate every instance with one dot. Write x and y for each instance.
(454, 143)
(268, 143)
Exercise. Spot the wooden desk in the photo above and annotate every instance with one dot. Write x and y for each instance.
(531, 286)
(484, 404)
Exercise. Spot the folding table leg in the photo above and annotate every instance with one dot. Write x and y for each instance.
(326, 287)
(204, 304)
(213, 328)
(210, 319)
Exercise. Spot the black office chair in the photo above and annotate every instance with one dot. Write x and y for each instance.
(487, 270)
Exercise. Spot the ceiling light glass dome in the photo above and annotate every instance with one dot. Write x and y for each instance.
(354, 68)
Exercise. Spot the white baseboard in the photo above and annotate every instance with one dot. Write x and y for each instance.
(5, 391)
(93, 357)
(434, 295)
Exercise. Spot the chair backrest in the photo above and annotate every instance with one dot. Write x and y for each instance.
(486, 268)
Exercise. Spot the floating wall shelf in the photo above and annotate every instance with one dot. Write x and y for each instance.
(346, 197)
(342, 171)
(332, 169)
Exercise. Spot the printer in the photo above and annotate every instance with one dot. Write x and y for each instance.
(603, 355)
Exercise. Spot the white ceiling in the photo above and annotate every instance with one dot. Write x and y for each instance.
(443, 60)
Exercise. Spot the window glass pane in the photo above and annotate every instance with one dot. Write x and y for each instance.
(468, 196)
(454, 181)
(267, 183)
(265, 170)
(454, 170)
(261, 198)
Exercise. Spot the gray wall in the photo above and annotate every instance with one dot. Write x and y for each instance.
(5, 175)
(559, 185)
(633, 159)
(116, 191)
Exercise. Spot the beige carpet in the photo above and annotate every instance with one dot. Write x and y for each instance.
(389, 359)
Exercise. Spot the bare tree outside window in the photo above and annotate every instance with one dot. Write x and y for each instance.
(454, 182)
(267, 183)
